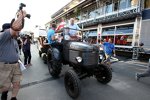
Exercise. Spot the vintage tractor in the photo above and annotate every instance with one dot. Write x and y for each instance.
(84, 60)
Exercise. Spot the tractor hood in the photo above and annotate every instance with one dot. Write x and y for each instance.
(81, 46)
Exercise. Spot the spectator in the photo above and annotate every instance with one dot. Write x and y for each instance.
(144, 74)
(19, 44)
(101, 41)
(27, 50)
(104, 40)
(141, 49)
(109, 50)
(147, 72)
(10, 72)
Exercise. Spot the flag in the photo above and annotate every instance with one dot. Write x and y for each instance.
(60, 26)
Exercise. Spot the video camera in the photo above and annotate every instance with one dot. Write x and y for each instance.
(27, 15)
(21, 7)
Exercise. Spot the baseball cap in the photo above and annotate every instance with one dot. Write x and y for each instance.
(5, 26)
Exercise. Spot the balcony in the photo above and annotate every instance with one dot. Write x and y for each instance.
(106, 14)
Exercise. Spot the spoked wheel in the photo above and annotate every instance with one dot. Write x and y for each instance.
(103, 74)
(72, 84)
(54, 66)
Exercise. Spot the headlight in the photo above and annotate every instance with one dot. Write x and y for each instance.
(79, 59)
(100, 56)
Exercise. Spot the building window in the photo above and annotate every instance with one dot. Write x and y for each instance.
(92, 14)
(116, 6)
(125, 40)
(109, 7)
(125, 29)
(147, 3)
(120, 35)
(122, 4)
(90, 36)
(92, 33)
(131, 3)
(134, 2)
(107, 31)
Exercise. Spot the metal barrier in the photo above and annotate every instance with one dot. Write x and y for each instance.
(135, 53)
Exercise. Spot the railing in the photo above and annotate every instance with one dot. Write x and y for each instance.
(101, 15)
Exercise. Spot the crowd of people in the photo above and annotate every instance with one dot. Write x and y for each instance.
(24, 45)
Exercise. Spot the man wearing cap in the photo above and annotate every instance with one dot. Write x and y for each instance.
(10, 72)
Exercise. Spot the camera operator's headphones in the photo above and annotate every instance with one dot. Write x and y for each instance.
(27, 15)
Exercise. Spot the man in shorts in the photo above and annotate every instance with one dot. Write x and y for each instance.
(10, 72)
(109, 50)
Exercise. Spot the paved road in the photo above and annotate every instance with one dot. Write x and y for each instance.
(39, 85)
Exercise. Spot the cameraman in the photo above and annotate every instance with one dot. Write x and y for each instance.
(27, 50)
(10, 72)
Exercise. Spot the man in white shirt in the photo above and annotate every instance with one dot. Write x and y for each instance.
(73, 28)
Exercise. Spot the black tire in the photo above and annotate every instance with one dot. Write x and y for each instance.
(72, 84)
(103, 74)
(54, 66)
(45, 59)
(40, 53)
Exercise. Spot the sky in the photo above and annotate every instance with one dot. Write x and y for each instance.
(40, 10)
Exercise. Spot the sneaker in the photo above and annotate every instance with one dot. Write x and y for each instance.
(4, 95)
(30, 64)
(13, 98)
(137, 77)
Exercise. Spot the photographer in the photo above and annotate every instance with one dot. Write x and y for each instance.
(10, 72)
(27, 50)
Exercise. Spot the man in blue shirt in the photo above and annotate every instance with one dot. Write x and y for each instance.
(51, 34)
(109, 50)
(10, 72)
